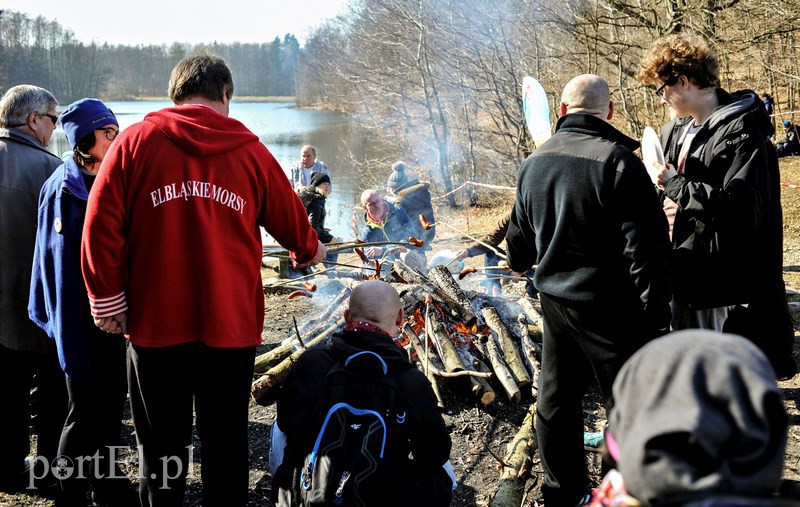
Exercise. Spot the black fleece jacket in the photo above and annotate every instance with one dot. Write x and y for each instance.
(587, 213)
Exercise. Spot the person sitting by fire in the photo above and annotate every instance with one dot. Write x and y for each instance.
(386, 222)
(790, 144)
(414, 197)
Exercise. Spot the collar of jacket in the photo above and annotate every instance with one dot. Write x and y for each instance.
(18, 136)
(73, 180)
(379, 224)
(594, 126)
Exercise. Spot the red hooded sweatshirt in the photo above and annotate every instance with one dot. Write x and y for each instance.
(171, 231)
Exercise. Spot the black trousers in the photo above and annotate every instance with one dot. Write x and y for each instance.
(19, 372)
(94, 420)
(579, 345)
(164, 384)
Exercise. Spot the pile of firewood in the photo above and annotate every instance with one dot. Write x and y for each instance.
(456, 337)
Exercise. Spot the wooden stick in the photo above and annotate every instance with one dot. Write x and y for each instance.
(517, 464)
(443, 279)
(265, 386)
(480, 386)
(501, 371)
(426, 226)
(272, 358)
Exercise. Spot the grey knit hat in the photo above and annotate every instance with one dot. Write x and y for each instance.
(398, 177)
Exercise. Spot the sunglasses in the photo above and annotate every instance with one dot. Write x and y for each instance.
(52, 117)
(669, 82)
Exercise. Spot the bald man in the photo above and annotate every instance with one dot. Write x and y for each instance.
(588, 215)
(373, 318)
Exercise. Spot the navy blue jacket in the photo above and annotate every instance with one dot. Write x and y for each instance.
(58, 302)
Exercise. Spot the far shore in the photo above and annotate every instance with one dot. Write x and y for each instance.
(236, 98)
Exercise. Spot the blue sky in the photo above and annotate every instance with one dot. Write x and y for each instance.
(163, 22)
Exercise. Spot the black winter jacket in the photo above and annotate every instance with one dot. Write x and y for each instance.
(431, 440)
(728, 231)
(588, 214)
(315, 207)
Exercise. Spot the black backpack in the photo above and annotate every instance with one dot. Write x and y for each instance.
(356, 449)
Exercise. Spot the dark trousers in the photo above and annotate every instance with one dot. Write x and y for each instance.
(164, 384)
(94, 420)
(579, 345)
(19, 372)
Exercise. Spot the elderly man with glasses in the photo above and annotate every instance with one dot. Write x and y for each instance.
(27, 121)
(721, 194)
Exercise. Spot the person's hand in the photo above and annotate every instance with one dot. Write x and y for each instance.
(115, 324)
(661, 174)
(374, 251)
(322, 252)
(461, 255)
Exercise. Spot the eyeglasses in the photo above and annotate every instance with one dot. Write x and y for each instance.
(111, 133)
(52, 117)
(669, 82)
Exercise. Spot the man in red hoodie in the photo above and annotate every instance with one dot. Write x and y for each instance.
(171, 256)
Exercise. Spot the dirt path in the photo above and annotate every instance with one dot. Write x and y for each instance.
(479, 434)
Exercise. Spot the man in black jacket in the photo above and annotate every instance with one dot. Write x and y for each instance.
(373, 318)
(587, 213)
(721, 188)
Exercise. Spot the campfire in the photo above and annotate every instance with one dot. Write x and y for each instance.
(457, 337)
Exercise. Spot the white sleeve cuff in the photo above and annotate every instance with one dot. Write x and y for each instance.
(108, 306)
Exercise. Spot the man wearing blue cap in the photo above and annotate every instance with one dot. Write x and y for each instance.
(93, 360)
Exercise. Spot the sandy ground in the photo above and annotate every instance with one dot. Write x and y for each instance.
(479, 434)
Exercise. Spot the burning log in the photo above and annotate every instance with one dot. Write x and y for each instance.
(444, 347)
(265, 386)
(501, 371)
(443, 278)
(401, 271)
(510, 351)
(517, 464)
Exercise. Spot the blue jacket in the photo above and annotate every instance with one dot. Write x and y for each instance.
(396, 226)
(57, 302)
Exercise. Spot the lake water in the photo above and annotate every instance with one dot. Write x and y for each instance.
(284, 129)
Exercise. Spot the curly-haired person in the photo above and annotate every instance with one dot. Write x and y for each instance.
(721, 194)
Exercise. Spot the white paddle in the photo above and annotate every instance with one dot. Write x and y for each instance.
(652, 154)
(536, 109)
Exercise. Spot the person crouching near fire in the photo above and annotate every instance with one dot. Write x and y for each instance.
(93, 360)
(386, 222)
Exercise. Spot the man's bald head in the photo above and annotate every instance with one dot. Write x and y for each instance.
(377, 302)
(587, 93)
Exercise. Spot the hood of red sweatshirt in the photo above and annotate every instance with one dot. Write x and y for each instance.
(199, 130)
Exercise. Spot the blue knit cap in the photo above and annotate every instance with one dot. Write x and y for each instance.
(786, 124)
(83, 117)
